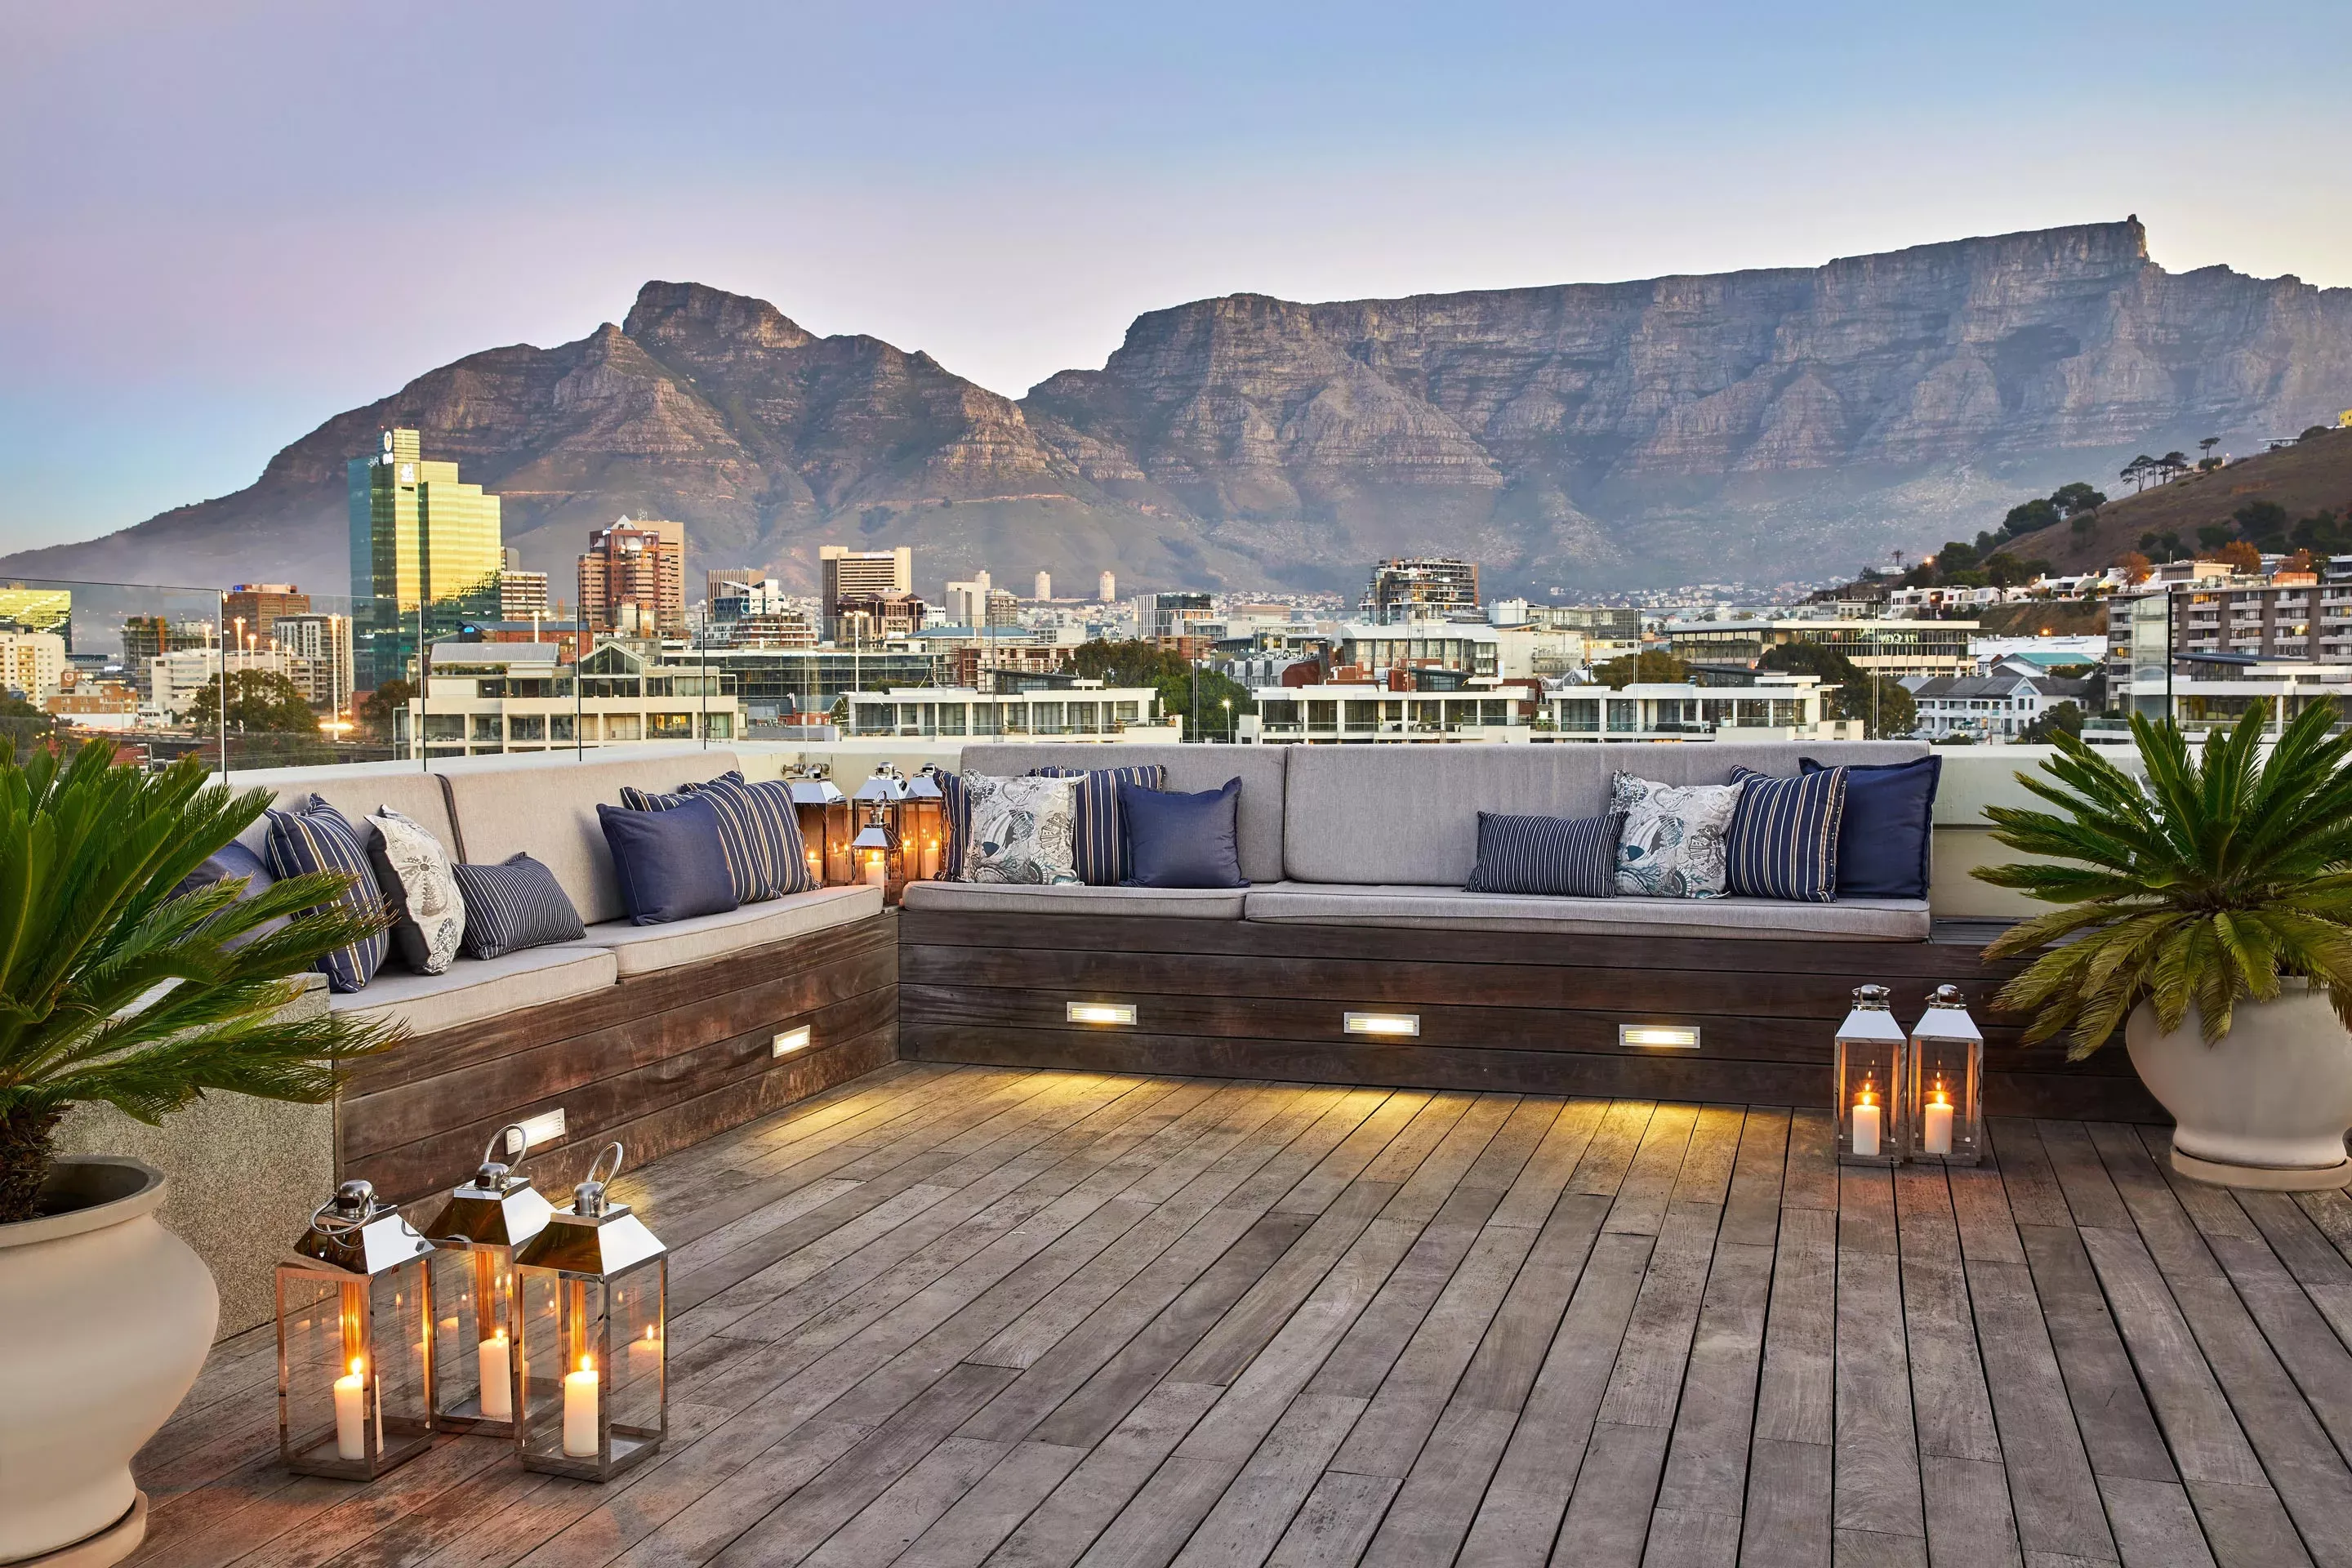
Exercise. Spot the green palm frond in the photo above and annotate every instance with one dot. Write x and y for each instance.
(113, 988)
(2204, 884)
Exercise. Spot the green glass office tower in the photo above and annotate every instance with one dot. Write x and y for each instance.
(424, 545)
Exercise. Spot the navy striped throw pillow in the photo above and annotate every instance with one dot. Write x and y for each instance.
(758, 831)
(1103, 856)
(955, 811)
(317, 838)
(1570, 857)
(1784, 835)
(513, 905)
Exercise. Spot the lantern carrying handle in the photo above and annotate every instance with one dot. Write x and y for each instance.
(490, 1150)
(616, 1151)
(352, 1207)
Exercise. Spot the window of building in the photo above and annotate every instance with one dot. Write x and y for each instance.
(486, 728)
(622, 727)
(527, 727)
(669, 726)
(718, 726)
(561, 727)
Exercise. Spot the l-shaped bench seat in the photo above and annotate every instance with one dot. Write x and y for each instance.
(686, 1012)
(1357, 858)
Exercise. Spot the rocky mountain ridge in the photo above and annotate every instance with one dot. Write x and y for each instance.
(1756, 424)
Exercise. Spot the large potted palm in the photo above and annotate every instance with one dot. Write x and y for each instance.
(115, 988)
(2208, 911)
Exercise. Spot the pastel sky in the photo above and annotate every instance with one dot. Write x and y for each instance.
(222, 223)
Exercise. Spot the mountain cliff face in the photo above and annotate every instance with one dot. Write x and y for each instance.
(1752, 425)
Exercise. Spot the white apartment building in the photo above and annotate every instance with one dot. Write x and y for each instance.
(1990, 707)
(1777, 708)
(324, 642)
(174, 678)
(1084, 710)
(32, 664)
(482, 698)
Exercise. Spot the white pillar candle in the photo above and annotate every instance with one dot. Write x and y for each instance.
(1936, 1126)
(580, 1414)
(1865, 1129)
(496, 1357)
(350, 1413)
(876, 874)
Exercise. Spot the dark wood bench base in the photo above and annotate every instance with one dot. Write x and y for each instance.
(659, 1062)
(1509, 1011)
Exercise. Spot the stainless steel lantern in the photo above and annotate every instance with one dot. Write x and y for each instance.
(354, 1340)
(878, 847)
(823, 811)
(474, 1240)
(1947, 1081)
(924, 826)
(1870, 1082)
(591, 1332)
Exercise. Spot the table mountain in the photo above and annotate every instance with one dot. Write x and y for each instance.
(1754, 425)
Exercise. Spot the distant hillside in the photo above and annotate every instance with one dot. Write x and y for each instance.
(1780, 424)
(2309, 477)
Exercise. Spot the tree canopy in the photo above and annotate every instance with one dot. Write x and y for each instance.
(1139, 663)
(258, 700)
(1653, 664)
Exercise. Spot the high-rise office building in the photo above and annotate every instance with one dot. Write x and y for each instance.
(844, 575)
(323, 645)
(633, 579)
(1159, 616)
(146, 639)
(251, 609)
(1107, 589)
(419, 534)
(1044, 587)
(1427, 588)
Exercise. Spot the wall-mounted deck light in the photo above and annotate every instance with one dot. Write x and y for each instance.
(1391, 1025)
(1669, 1037)
(535, 1131)
(787, 1041)
(1100, 1011)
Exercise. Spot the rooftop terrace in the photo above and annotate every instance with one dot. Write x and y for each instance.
(963, 1315)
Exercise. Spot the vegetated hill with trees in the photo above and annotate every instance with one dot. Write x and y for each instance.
(2299, 497)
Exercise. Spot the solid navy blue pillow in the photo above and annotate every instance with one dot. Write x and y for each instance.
(671, 863)
(1177, 840)
(1883, 840)
(233, 860)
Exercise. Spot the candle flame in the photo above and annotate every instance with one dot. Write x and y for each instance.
(587, 1362)
(1869, 1096)
(649, 1334)
(359, 1366)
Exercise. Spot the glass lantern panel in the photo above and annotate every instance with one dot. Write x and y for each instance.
(1870, 1100)
(1946, 1078)
(473, 1353)
(402, 1321)
(321, 1335)
(637, 1412)
(566, 1369)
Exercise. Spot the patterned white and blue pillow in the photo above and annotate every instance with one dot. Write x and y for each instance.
(1022, 830)
(317, 838)
(515, 904)
(1784, 836)
(1573, 857)
(1674, 843)
(1104, 859)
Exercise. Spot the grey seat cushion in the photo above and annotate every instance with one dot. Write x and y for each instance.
(474, 989)
(1076, 898)
(642, 950)
(1190, 769)
(1408, 815)
(1851, 920)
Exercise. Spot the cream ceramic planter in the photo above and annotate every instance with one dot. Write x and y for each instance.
(105, 1318)
(2268, 1107)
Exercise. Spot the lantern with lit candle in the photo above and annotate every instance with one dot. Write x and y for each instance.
(925, 824)
(878, 844)
(1870, 1082)
(1946, 1081)
(354, 1340)
(474, 1239)
(590, 1291)
(822, 813)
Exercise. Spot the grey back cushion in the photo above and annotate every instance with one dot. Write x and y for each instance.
(359, 792)
(545, 807)
(1191, 770)
(1408, 814)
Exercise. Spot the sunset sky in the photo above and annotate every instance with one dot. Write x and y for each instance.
(221, 223)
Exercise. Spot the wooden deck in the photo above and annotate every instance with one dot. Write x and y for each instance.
(963, 1315)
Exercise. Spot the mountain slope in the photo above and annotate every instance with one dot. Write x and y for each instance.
(1752, 425)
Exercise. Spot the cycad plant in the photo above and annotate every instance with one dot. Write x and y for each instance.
(112, 989)
(2205, 885)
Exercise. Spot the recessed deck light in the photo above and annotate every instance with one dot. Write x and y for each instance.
(1671, 1036)
(536, 1131)
(1394, 1026)
(1100, 1011)
(790, 1041)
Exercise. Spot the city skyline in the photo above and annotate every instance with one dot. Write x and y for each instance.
(278, 296)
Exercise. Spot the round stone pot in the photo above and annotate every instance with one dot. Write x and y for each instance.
(105, 1319)
(2268, 1107)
